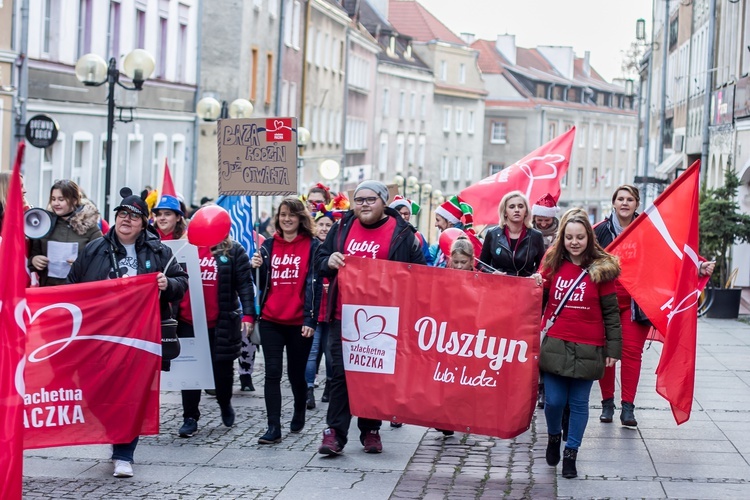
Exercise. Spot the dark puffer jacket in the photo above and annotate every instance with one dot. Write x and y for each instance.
(524, 261)
(81, 227)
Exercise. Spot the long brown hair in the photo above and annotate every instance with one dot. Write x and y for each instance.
(69, 190)
(554, 257)
(296, 207)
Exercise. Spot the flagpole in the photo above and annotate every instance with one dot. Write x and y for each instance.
(257, 249)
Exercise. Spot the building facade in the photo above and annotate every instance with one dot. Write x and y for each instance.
(7, 85)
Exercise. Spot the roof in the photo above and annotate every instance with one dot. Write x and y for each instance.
(411, 18)
(368, 16)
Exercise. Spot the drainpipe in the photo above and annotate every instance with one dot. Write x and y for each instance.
(308, 16)
(196, 98)
(663, 111)
(282, 19)
(709, 87)
(22, 63)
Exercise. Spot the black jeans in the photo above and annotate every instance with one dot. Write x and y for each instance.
(223, 376)
(339, 417)
(273, 338)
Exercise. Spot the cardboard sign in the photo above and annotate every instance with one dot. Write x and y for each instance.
(257, 156)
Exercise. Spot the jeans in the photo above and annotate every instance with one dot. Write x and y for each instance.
(319, 346)
(339, 416)
(575, 392)
(274, 337)
(124, 451)
(223, 377)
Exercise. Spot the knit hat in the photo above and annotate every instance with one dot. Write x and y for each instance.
(378, 187)
(399, 201)
(450, 210)
(468, 216)
(546, 206)
(132, 202)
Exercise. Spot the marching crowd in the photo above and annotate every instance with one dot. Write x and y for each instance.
(588, 322)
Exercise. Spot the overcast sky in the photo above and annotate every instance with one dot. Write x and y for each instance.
(603, 27)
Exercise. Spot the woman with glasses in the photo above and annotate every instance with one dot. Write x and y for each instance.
(290, 299)
(75, 222)
(130, 248)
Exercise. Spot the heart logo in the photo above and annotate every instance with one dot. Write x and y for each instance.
(368, 327)
(278, 125)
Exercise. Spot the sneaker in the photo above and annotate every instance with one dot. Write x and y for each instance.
(123, 468)
(330, 445)
(188, 428)
(310, 398)
(372, 442)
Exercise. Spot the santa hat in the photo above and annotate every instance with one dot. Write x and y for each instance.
(545, 207)
(451, 210)
(400, 201)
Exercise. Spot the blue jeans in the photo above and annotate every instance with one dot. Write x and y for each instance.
(575, 392)
(124, 451)
(319, 345)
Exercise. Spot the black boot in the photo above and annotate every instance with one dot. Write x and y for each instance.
(298, 420)
(608, 411)
(326, 397)
(565, 422)
(627, 415)
(553, 449)
(272, 435)
(227, 415)
(569, 463)
(310, 398)
(246, 383)
(540, 397)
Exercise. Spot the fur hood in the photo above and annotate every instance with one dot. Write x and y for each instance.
(604, 269)
(84, 218)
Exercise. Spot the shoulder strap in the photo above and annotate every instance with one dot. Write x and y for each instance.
(558, 310)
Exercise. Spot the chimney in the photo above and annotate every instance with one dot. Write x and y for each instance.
(506, 45)
(468, 38)
(587, 63)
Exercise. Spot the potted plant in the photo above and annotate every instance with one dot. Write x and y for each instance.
(722, 225)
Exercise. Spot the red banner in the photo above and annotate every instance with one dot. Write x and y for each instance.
(659, 259)
(435, 347)
(12, 291)
(535, 175)
(93, 359)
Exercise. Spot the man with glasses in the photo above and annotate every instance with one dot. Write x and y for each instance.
(373, 231)
(130, 248)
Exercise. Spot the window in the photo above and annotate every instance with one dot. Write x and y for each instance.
(499, 133)
(423, 106)
(134, 172)
(459, 120)
(470, 122)
(98, 194)
(284, 102)
(323, 124)
(337, 51)
(413, 105)
(296, 13)
(581, 134)
(579, 178)
(608, 177)
(182, 47)
(326, 51)
(159, 154)
(399, 153)
(315, 124)
(386, 102)
(113, 30)
(623, 139)
(446, 118)
(622, 176)
(444, 168)
(457, 168)
(597, 136)
(46, 28)
(257, 4)
(610, 138)
(333, 132)
(564, 180)
(51, 168)
(421, 151)
(177, 161)
(319, 49)
(444, 70)
(469, 168)
(411, 150)
(462, 73)
(288, 23)
(269, 78)
(495, 168)
(253, 74)
(551, 130)
(594, 177)
(309, 49)
(140, 28)
(273, 7)
(568, 126)
(161, 63)
(292, 99)
(84, 27)
(81, 169)
(383, 152)
(402, 104)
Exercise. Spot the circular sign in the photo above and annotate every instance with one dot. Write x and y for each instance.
(41, 131)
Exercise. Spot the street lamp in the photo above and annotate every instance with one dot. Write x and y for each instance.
(210, 109)
(93, 71)
(329, 169)
(411, 186)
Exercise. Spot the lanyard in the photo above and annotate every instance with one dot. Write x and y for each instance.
(551, 320)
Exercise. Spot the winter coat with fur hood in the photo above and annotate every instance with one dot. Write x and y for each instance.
(81, 227)
(586, 361)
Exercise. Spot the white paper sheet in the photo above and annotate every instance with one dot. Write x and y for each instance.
(59, 253)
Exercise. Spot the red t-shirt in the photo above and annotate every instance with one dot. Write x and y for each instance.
(210, 279)
(290, 261)
(369, 244)
(581, 319)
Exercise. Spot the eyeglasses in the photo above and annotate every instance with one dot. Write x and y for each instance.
(370, 200)
(124, 214)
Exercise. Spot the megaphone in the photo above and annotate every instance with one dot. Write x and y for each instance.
(37, 223)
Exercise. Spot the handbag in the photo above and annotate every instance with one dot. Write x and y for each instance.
(255, 334)
(170, 343)
(637, 315)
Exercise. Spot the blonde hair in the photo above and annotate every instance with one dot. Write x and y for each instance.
(4, 185)
(462, 246)
(504, 206)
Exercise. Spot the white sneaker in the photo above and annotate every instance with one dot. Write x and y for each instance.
(122, 468)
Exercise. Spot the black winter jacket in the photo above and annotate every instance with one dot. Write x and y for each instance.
(605, 231)
(405, 247)
(313, 285)
(523, 262)
(96, 264)
(235, 287)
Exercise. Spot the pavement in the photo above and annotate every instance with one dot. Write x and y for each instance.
(707, 457)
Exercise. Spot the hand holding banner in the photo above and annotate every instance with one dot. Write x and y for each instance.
(435, 347)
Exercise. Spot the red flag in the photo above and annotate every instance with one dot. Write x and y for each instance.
(659, 259)
(449, 356)
(92, 376)
(12, 339)
(535, 175)
(167, 186)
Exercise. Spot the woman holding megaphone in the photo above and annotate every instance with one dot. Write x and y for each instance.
(74, 223)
